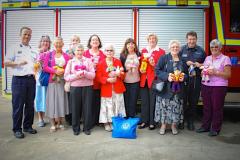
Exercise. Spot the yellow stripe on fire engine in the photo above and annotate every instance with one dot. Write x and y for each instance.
(218, 20)
(234, 42)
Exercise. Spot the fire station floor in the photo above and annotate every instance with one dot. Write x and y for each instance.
(149, 145)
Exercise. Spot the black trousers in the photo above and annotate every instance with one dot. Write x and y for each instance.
(130, 98)
(23, 95)
(81, 103)
(191, 97)
(148, 97)
(96, 106)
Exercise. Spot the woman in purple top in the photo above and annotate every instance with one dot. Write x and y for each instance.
(216, 71)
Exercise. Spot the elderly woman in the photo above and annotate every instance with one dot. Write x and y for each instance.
(40, 98)
(149, 58)
(169, 102)
(96, 55)
(110, 74)
(74, 41)
(129, 58)
(218, 67)
(80, 73)
(56, 101)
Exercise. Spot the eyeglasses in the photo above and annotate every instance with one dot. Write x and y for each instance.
(216, 47)
(109, 50)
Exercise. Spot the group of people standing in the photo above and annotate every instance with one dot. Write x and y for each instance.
(103, 86)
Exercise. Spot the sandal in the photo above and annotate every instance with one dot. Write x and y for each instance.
(174, 131)
(107, 127)
(53, 129)
(61, 127)
(143, 125)
(162, 131)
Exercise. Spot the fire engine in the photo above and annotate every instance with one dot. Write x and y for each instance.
(115, 21)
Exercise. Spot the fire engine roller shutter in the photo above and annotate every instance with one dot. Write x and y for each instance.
(170, 24)
(42, 22)
(111, 25)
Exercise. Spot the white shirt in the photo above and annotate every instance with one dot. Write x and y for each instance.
(19, 53)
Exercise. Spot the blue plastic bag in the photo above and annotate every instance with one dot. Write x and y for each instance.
(44, 78)
(124, 128)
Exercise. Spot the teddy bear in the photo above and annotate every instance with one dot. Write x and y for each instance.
(146, 57)
(191, 70)
(60, 63)
(80, 69)
(205, 74)
(176, 76)
(131, 63)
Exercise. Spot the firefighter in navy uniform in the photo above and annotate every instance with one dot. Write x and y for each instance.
(21, 58)
(193, 55)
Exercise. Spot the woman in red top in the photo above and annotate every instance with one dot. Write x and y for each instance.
(149, 58)
(111, 75)
(96, 55)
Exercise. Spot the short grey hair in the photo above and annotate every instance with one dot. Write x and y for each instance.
(107, 45)
(80, 46)
(152, 35)
(216, 42)
(172, 42)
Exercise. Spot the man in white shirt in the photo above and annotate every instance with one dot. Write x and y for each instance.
(21, 58)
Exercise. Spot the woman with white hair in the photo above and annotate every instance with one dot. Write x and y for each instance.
(169, 102)
(148, 60)
(213, 92)
(110, 74)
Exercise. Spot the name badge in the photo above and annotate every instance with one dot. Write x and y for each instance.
(184, 55)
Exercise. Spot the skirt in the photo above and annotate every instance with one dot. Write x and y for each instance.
(40, 98)
(169, 111)
(111, 106)
(57, 100)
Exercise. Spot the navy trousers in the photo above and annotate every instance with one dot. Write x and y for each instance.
(23, 95)
(192, 93)
(130, 98)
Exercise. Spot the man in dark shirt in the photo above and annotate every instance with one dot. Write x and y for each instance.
(193, 55)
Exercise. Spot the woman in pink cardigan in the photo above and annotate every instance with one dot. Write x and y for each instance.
(56, 101)
(80, 73)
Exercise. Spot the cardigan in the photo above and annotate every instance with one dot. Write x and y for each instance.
(50, 68)
(163, 68)
(102, 76)
(149, 76)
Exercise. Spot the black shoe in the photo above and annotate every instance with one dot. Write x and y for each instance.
(151, 127)
(19, 134)
(87, 132)
(212, 133)
(143, 125)
(30, 130)
(181, 126)
(190, 126)
(201, 130)
(76, 133)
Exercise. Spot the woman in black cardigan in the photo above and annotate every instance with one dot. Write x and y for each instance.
(169, 102)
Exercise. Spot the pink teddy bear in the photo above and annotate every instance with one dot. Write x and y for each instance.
(80, 69)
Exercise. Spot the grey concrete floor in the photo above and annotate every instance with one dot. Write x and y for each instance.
(149, 145)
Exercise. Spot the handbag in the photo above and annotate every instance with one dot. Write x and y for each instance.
(158, 85)
(67, 86)
(44, 76)
(124, 128)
